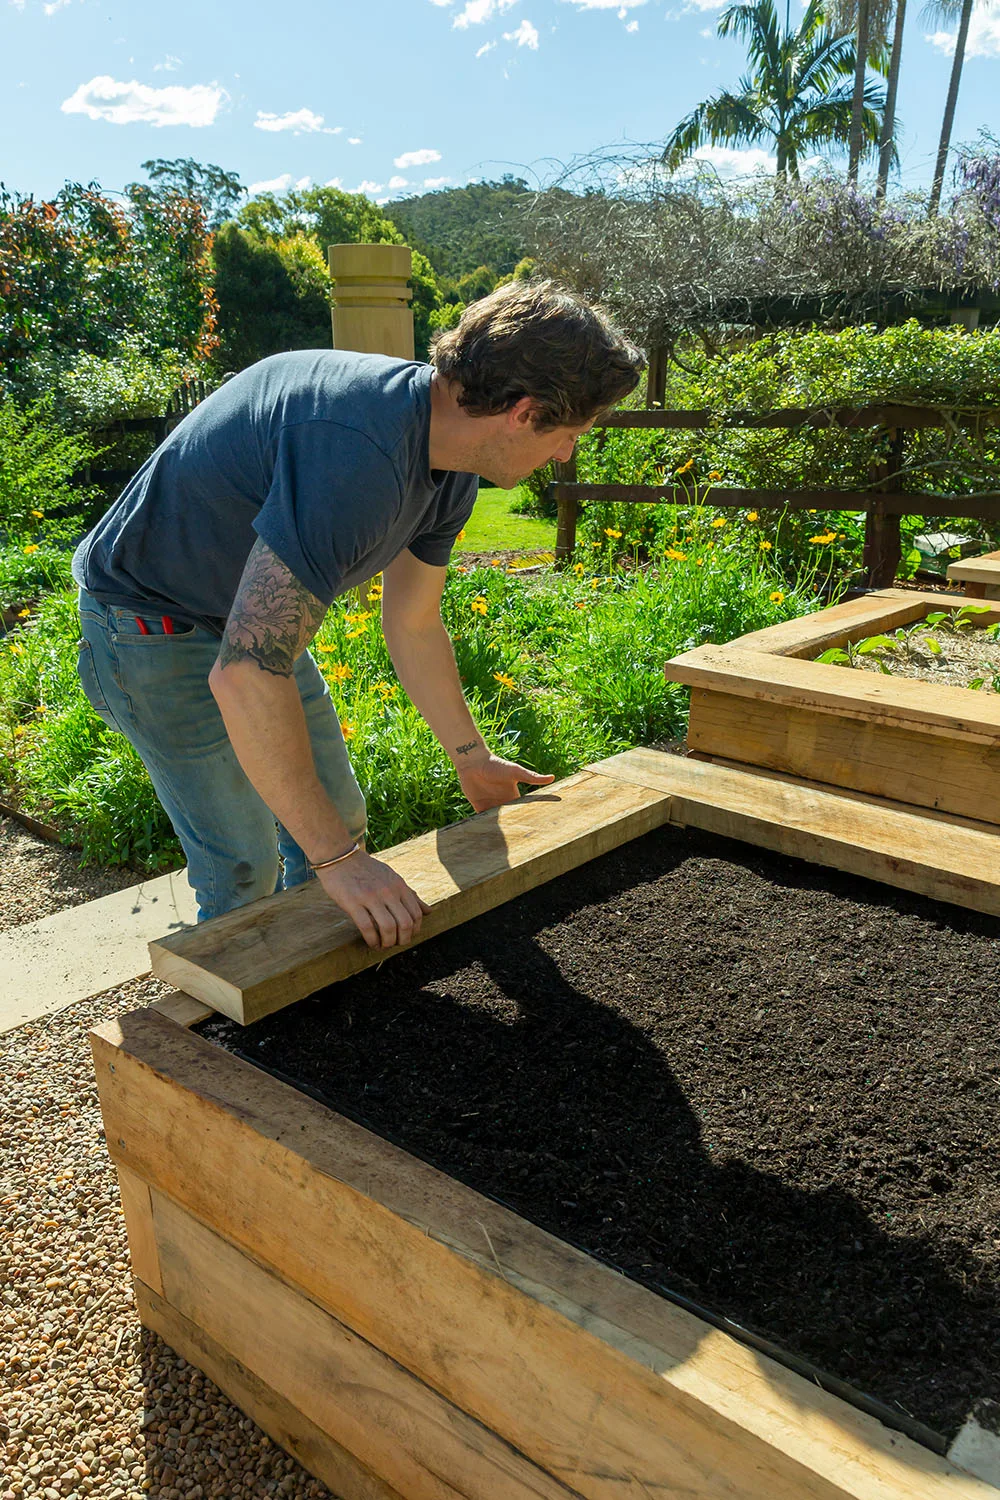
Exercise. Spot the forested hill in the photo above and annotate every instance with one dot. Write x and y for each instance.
(461, 229)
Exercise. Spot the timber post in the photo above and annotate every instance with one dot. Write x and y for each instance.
(371, 310)
(567, 511)
(883, 548)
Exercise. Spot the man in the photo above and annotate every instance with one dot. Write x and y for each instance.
(300, 478)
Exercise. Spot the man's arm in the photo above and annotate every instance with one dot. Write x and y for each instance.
(425, 663)
(273, 619)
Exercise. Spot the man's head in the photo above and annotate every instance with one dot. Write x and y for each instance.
(538, 364)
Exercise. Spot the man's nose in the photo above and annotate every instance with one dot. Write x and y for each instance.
(565, 453)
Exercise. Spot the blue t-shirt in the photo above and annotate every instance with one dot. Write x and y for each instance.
(321, 453)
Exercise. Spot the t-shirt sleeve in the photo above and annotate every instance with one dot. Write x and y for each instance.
(434, 545)
(334, 494)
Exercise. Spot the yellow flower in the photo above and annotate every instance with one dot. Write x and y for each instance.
(595, 583)
(461, 570)
(479, 605)
(30, 548)
(578, 569)
(504, 680)
(777, 597)
(611, 532)
(461, 535)
(15, 649)
(38, 514)
(326, 648)
(375, 592)
(347, 729)
(386, 690)
(714, 474)
(699, 562)
(719, 522)
(24, 614)
(685, 467)
(365, 614)
(827, 536)
(41, 709)
(581, 605)
(496, 562)
(752, 515)
(765, 546)
(595, 544)
(340, 671)
(352, 635)
(675, 555)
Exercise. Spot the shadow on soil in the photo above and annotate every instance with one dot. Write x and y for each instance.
(542, 1095)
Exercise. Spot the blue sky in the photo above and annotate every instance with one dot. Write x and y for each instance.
(391, 96)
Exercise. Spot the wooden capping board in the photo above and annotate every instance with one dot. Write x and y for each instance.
(613, 1391)
(882, 610)
(262, 957)
(900, 702)
(834, 416)
(935, 854)
(984, 569)
(316, 1451)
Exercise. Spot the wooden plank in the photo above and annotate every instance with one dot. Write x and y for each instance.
(810, 635)
(598, 1381)
(316, 1451)
(262, 957)
(400, 1429)
(926, 708)
(884, 760)
(890, 503)
(984, 569)
(184, 1009)
(838, 416)
(138, 1212)
(935, 854)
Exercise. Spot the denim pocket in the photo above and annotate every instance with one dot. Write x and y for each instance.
(91, 686)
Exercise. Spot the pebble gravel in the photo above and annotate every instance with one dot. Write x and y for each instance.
(91, 1404)
(41, 878)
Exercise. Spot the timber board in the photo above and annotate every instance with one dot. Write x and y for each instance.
(935, 854)
(615, 1393)
(984, 569)
(872, 614)
(262, 957)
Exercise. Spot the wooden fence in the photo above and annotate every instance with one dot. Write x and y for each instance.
(882, 504)
(184, 399)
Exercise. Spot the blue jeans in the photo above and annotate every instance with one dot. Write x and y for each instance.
(154, 689)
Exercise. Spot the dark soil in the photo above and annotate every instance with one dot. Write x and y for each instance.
(760, 1084)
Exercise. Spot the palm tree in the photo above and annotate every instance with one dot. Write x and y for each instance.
(870, 20)
(794, 96)
(946, 10)
(888, 141)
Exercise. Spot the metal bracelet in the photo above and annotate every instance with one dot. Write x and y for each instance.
(325, 864)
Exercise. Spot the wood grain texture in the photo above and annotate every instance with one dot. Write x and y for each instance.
(613, 1391)
(262, 957)
(184, 1009)
(414, 1439)
(935, 854)
(872, 614)
(959, 776)
(984, 569)
(138, 1211)
(315, 1450)
(927, 708)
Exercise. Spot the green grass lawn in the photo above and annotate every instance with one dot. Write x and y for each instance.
(492, 528)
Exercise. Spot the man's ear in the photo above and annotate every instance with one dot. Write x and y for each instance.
(522, 414)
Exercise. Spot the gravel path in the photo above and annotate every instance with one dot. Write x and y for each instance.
(96, 1406)
(41, 878)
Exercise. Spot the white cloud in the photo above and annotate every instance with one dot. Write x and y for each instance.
(441, 2)
(526, 35)
(395, 183)
(620, 5)
(50, 10)
(436, 182)
(170, 64)
(299, 121)
(335, 182)
(730, 162)
(415, 159)
(705, 5)
(706, 31)
(370, 187)
(486, 47)
(632, 26)
(354, 140)
(280, 184)
(478, 11)
(984, 33)
(130, 103)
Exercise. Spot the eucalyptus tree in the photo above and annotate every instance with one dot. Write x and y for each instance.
(795, 96)
(947, 10)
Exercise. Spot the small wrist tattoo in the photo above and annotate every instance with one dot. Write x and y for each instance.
(464, 749)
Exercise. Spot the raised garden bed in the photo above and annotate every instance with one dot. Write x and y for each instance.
(407, 1335)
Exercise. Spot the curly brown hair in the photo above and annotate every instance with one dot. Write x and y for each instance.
(538, 339)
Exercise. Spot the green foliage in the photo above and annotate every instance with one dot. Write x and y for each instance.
(462, 229)
(37, 463)
(84, 273)
(213, 188)
(559, 670)
(273, 295)
(93, 391)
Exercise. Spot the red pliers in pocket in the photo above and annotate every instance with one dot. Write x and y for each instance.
(165, 621)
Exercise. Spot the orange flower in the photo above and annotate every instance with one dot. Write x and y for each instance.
(347, 729)
(504, 680)
(479, 605)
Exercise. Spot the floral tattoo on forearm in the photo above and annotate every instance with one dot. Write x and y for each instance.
(273, 618)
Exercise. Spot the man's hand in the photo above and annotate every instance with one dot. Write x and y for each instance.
(490, 781)
(379, 902)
